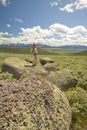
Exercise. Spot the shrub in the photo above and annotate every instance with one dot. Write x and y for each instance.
(24, 75)
(83, 82)
(6, 75)
(78, 100)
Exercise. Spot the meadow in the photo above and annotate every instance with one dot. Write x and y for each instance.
(74, 60)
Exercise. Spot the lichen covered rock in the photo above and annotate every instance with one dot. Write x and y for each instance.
(18, 67)
(50, 67)
(29, 60)
(46, 60)
(15, 65)
(33, 104)
(37, 70)
(64, 79)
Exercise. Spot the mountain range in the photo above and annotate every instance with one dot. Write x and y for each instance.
(44, 46)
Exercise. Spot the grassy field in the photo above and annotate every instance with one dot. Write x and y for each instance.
(69, 59)
(74, 60)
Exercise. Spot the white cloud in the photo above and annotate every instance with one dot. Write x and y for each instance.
(54, 3)
(8, 25)
(68, 8)
(18, 20)
(35, 32)
(71, 7)
(55, 35)
(4, 2)
(78, 30)
(58, 28)
(5, 37)
(4, 34)
(80, 4)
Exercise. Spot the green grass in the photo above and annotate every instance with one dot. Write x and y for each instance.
(69, 59)
(15, 50)
(42, 51)
(81, 53)
(75, 60)
(78, 101)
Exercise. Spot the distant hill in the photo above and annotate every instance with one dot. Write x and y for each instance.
(74, 47)
(81, 53)
(21, 45)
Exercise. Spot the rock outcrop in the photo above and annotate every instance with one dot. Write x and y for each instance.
(46, 60)
(50, 67)
(19, 67)
(64, 79)
(37, 70)
(15, 65)
(33, 104)
(29, 60)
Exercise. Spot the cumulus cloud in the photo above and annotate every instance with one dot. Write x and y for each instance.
(80, 4)
(71, 7)
(54, 3)
(58, 29)
(55, 35)
(8, 25)
(4, 2)
(5, 37)
(35, 32)
(4, 34)
(78, 30)
(68, 8)
(18, 20)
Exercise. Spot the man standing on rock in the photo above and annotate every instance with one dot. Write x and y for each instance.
(35, 53)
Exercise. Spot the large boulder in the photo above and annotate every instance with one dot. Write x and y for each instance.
(46, 60)
(50, 67)
(33, 104)
(29, 60)
(37, 70)
(64, 79)
(15, 65)
(19, 68)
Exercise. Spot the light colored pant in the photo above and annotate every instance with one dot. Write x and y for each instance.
(34, 59)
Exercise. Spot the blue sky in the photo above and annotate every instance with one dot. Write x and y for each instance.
(51, 22)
